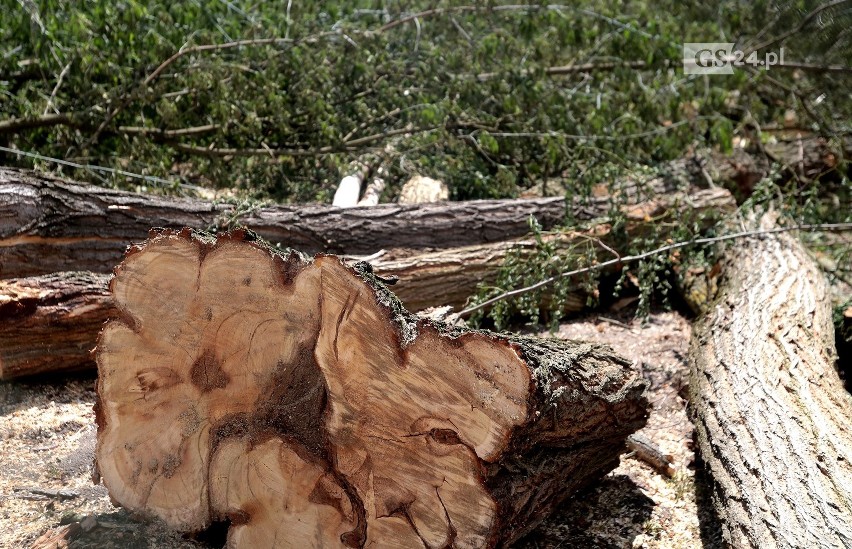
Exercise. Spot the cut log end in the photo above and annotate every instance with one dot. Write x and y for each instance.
(297, 397)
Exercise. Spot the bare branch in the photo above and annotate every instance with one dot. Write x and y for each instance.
(169, 134)
(59, 80)
(345, 146)
(798, 28)
(28, 123)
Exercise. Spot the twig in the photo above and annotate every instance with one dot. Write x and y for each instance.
(802, 24)
(638, 257)
(91, 167)
(16, 124)
(642, 448)
(73, 120)
(169, 134)
(346, 146)
(56, 88)
(59, 494)
(618, 323)
(427, 13)
(574, 69)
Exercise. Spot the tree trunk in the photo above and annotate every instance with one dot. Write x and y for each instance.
(299, 400)
(34, 342)
(50, 323)
(771, 414)
(450, 277)
(49, 225)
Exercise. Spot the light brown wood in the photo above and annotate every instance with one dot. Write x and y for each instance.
(298, 396)
(771, 413)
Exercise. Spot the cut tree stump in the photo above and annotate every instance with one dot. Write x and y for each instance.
(772, 416)
(34, 342)
(297, 399)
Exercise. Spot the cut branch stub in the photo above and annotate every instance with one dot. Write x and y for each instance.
(296, 398)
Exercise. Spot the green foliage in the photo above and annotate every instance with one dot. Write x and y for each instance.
(470, 85)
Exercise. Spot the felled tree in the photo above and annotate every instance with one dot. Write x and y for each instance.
(297, 399)
(771, 413)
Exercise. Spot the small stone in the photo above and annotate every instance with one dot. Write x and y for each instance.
(88, 523)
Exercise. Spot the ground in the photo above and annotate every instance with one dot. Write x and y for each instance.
(47, 439)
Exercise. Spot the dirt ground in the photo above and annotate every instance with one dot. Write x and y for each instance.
(47, 438)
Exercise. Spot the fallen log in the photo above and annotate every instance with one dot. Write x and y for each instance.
(50, 323)
(297, 399)
(450, 277)
(50, 225)
(771, 413)
(33, 340)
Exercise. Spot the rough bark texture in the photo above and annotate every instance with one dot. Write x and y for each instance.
(49, 225)
(298, 399)
(50, 323)
(444, 277)
(771, 414)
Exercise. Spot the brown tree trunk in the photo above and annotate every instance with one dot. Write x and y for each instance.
(49, 225)
(33, 341)
(50, 323)
(298, 399)
(771, 414)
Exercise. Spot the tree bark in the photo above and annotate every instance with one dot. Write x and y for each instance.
(49, 225)
(50, 323)
(299, 400)
(34, 341)
(771, 414)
